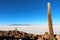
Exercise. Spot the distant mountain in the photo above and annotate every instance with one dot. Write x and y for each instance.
(19, 25)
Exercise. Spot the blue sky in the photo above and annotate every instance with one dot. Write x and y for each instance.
(28, 11)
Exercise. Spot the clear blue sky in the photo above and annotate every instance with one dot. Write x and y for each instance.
(28, 11)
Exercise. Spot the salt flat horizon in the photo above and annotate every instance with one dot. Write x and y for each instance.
(34, 29)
